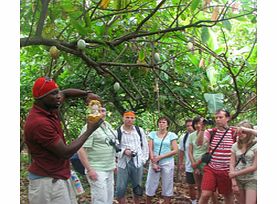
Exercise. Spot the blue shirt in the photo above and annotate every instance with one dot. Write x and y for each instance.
(166, 145)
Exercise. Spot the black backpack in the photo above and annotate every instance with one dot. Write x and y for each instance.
(77, 164)
(185, 139)
(119, 135)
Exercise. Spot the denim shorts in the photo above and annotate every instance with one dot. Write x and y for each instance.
(130, 173)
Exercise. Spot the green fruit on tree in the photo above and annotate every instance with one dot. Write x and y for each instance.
(81, 44)
(157, 57)
(116, 86)
(54, 52)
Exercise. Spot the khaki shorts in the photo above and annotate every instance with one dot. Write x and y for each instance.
(46, 191)
(247, 184)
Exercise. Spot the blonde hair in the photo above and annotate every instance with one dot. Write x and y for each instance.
(250, 138)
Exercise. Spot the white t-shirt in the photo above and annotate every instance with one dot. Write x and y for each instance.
(186, 158)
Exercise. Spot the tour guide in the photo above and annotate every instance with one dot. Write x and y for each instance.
(49, 171)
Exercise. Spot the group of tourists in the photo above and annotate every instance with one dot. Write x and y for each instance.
(232, 167)
(113, 158)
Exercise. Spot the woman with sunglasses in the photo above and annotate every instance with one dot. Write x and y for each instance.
(243, 164)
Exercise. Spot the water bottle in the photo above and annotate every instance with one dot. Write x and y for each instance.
(76, 183)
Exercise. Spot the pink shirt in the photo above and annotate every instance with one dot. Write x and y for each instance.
(221, 156)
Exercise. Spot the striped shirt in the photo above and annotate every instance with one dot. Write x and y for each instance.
(221, 156)
(131, 140)
(100, 154)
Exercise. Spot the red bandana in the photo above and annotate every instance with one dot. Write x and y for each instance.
(43, 86)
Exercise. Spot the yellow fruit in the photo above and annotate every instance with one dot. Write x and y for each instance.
(94, 108)
(104, 4)
(54, 52)
(94, 118)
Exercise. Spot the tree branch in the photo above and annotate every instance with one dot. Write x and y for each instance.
(43, 14)
(150, 15)
(200, 23)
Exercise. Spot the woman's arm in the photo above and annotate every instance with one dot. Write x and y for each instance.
(240, 130)
(190, 152)
(174, 151)
(232, 170)
(84, 160)
(246, 170)
(232, 162)
(151, 152)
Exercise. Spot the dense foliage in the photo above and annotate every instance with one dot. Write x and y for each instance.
(165, 55)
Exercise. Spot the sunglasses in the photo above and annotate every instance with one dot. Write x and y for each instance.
(47, 79)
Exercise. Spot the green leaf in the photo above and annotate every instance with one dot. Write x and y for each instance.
(193, 59)
(254, 20)
(205, 34)
(141, 55)
(99, 29)
(194, 4)
(212, 41)
(226, 24)
(211, 73)
(78, 27)
(215, 101)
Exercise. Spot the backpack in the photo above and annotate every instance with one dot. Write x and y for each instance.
(77, 164)
(119, 135)
(185, 140)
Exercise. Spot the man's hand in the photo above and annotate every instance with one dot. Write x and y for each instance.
(92, 96)
(128, 152)
(156, 159)
(92, 126)
(194, 165)
(232, 174)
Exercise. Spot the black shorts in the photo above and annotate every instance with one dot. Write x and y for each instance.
(190, 178)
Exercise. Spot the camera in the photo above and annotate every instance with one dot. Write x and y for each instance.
(116, 145)
(208, 121)
(133, 153)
